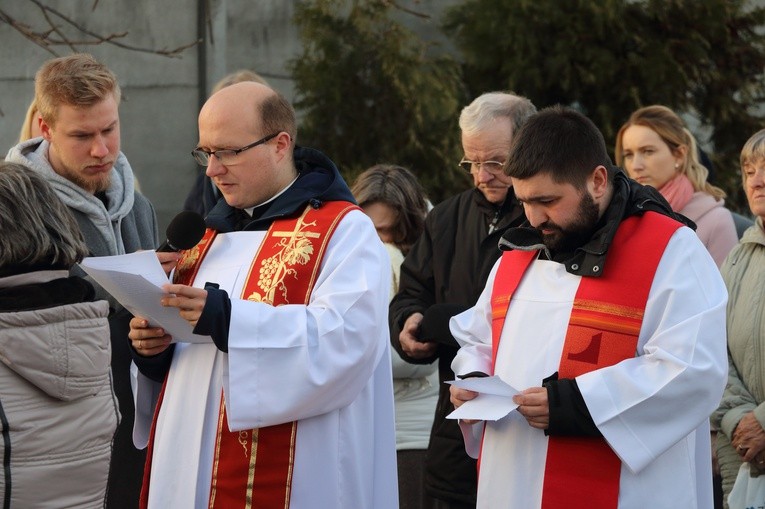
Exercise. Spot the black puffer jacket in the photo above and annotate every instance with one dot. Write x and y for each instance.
(443, 275)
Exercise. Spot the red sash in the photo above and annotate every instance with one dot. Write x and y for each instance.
(253, 468)
(583, 473)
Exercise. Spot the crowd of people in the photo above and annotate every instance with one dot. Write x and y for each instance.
(618, 302)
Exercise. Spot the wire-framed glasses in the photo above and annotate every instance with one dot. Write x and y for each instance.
(493, 167)
(226, 156)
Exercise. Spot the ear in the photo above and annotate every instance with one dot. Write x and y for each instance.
(680, 153)
(45, 129)
(597, 184)
(284, 144)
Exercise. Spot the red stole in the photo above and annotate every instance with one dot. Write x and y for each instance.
(253, 468)
(583, 473)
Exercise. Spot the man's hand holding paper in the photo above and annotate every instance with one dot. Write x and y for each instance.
(493, 399)
(139, 283)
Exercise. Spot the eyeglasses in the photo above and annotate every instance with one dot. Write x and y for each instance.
(226, 156)
(492, 167)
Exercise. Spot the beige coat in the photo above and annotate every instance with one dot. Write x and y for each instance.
(744, 275)
(56, 405)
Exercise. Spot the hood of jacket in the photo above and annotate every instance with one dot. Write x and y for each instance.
(64, 350)
(120, 195)
(318, 181)
(629, 199)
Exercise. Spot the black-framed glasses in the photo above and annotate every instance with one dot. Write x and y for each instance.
(493, 167)
(226, 156)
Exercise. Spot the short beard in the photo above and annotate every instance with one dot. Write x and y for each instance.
(92, 186)
(577, 233)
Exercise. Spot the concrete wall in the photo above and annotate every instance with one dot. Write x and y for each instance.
(162, 95)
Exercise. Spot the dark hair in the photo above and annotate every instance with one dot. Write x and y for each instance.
(560, 142)
(39, 232)
(398, 188)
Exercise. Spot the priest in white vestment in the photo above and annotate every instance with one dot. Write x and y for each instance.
(650, 409)
(323, 364)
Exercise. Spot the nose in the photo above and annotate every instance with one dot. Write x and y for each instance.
(483, 175)
(214, 167)
(99, 148)
(536, 215)
(636, 164)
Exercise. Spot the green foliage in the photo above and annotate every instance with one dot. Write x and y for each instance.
(611, 57)
(371, 92)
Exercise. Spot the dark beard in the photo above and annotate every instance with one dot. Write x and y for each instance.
(577, 233)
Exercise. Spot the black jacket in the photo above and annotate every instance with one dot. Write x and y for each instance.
(202, 196)
(318, 181)
(443, 275)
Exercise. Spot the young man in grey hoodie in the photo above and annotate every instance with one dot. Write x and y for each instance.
(79, 155)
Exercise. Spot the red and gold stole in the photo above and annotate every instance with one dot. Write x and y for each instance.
(253, 468)
(583, 473)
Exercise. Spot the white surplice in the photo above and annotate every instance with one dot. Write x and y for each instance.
(652, 409)
(326, 365)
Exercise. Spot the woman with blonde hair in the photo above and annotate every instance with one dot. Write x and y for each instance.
(30, 128)
(656, 149)
(393, 198)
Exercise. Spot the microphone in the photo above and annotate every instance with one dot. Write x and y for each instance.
(184, 232)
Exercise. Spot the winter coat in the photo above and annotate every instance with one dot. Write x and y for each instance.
(714, 224)
(744, 276)
(57, 407)
(124, 222)
(442, 275)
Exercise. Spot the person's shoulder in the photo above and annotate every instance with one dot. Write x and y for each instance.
(459, 201)
(141, 202)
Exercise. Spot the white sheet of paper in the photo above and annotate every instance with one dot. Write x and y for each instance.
(136, 280)
(494, 401)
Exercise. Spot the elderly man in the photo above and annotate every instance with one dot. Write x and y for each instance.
(289, 403)
(79, 155)
(608, 314)
(445, 272)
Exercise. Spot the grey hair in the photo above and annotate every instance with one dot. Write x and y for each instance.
(39, 232)
(480, 113)
(754, 149)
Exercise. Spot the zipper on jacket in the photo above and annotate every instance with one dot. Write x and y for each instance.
(493, 223)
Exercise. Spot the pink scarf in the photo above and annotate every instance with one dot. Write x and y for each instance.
(677, 192)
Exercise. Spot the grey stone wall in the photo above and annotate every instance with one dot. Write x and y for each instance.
(162, 95)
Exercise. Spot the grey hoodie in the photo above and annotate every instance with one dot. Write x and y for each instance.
(129, 223)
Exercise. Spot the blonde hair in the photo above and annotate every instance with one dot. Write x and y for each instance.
(672, 131)
(76, 80)
(29, 119)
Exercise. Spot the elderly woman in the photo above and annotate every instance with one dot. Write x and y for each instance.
(393, 198)
(657, 150)
(57, 408)
(741, 415)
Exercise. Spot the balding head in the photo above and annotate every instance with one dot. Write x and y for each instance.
(261, 108)
(239, 103)
(256, 125)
